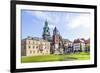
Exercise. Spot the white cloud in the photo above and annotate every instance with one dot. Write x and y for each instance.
(81, 20)
(38, 14)
(52, 19)
(71, 20)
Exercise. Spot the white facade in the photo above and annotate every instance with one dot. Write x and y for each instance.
(32, 47)
(76, 46)
(79, 46)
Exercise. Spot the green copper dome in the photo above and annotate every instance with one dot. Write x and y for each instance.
(46, 31)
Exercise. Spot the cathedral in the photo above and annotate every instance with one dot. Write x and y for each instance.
(56, 39)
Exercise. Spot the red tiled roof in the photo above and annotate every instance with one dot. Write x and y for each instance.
(79, 41)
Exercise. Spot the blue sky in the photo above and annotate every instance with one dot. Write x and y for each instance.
(71, 25)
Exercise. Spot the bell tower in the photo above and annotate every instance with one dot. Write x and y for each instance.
(46, 31)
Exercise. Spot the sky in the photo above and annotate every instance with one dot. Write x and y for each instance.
(71, 25)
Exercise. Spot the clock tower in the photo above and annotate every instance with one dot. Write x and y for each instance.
(46, 32)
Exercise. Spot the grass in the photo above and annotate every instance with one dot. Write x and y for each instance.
(65, 57)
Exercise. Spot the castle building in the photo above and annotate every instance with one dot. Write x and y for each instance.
(68, 46)
(34, 46)
(79, 45)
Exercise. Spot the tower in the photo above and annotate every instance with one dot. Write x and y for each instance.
(56, 37)
(57, 42)
(46, 32)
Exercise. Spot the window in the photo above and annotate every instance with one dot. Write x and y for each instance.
(36, 46)
(29, 47)
(41, 51)
(33, 51)
(30, 51)
(29, 42)
(37, 51)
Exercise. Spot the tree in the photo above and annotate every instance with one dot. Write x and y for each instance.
(80, 47)
(87, 47)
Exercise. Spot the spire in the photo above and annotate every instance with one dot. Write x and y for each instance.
(55, 31)
(46, 23)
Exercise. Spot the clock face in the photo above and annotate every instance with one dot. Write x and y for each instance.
(57, 41)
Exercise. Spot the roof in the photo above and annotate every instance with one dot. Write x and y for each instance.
(67, 40)
(87, 41)
(79, 41)
(34, 38)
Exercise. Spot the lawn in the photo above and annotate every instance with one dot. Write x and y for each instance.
(65, 57)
